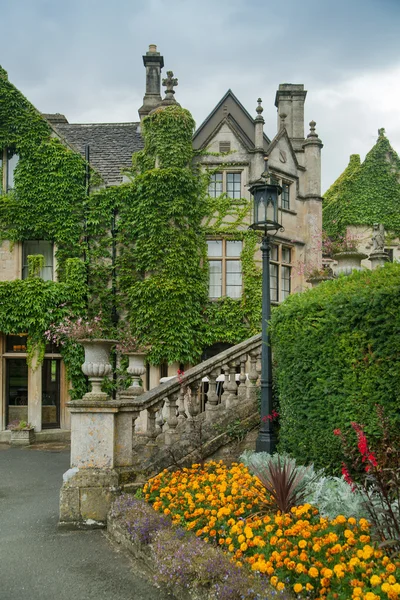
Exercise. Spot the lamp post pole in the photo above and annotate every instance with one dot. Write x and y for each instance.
(266, 440)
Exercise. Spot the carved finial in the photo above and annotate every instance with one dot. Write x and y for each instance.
(169, 83)
(259, 108)
(152, 48)
(283, 117)
(312, 130)
(381, 132)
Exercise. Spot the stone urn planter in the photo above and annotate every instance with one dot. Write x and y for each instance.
(348, 261)
(136, 369)
(22, 437)
(97, 363)
(318, 279)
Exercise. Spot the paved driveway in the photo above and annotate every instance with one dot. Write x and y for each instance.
(38, 562)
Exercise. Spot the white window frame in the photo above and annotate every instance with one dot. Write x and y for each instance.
(225, 259)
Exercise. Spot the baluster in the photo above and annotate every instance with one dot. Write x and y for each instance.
(191, 400)
(241, 392)
(172, 420)
(253, 376)
(160, 422)
(225, 394)
(259, 358)
(232, 386)
(181, 404)
(151, 430)
(212, 396)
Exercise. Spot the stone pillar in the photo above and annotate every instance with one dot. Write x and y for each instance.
(35, 392)
(153, 63)
(101, 458)
(312, 158)
(378, 259)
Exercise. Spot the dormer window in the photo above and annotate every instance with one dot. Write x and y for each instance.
(34, 247)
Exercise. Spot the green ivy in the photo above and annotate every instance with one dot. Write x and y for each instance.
(366, 193)
(161, 220)
(337, 355)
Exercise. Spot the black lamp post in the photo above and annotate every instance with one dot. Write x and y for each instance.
(266, 192)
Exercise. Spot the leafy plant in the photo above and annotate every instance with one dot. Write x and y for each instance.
(380, 477)
(19, 425)
(284, 481)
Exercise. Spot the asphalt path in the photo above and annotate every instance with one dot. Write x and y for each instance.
(40, 562)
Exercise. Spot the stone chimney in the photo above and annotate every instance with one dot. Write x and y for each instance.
(153, 63)
(289, 101)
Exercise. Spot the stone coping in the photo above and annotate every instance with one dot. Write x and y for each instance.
(196, 373)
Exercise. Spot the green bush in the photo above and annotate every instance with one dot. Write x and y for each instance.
(337, 353)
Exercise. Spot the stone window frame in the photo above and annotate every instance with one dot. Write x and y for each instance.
(281, 267)
(224, 259)
(5, 155)
(224, 183)
(50, 268)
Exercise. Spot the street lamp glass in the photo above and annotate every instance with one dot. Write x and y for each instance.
(265, 205)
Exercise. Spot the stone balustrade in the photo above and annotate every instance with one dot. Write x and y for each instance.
(183, 422)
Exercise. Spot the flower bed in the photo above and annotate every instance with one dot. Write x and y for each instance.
(311, 555)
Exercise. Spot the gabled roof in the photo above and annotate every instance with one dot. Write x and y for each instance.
(228, 109)
(282, 133)
(111, 145)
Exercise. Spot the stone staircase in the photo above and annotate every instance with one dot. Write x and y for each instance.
(116, 444)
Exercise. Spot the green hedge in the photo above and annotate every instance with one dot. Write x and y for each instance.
(337, 353)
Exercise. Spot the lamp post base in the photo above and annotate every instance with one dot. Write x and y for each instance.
(266, 442)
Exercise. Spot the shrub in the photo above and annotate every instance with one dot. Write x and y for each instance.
(331, 495)
(337, 355)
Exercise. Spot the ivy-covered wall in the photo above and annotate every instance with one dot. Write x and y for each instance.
(366, 193)
(143, 244)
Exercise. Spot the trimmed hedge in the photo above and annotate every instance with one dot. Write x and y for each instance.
(337, 353)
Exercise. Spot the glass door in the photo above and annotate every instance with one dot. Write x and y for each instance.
(51, 393)
(16, 390)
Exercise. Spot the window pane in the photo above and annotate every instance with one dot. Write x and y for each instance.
(215, 185)
(233, 248)
(214, 247)
(285, 196)
(215, 278)
(286, 254)
(233, 185)
(233, 278)
(274, 252)
(273, 278)
(12, 161)
(286, 272)
(33, 247)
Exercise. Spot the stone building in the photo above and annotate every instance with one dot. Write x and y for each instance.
(239, 147)
(366, 195)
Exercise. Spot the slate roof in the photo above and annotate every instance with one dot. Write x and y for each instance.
(111, 145)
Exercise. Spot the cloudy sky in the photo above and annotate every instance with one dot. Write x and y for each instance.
(83, 58)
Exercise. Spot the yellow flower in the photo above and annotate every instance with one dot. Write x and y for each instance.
(357, 592)
(274, 580)
(297, 587)
(302, 544)
(375, 580)
(241, 538)
(243, 547)
(248, 532)
(280, 586)
(313, 572)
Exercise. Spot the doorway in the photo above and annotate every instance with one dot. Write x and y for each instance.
(51, 369)
(16, 390)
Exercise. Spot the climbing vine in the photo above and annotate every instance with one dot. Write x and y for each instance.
(136, 251)
(366, 193)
